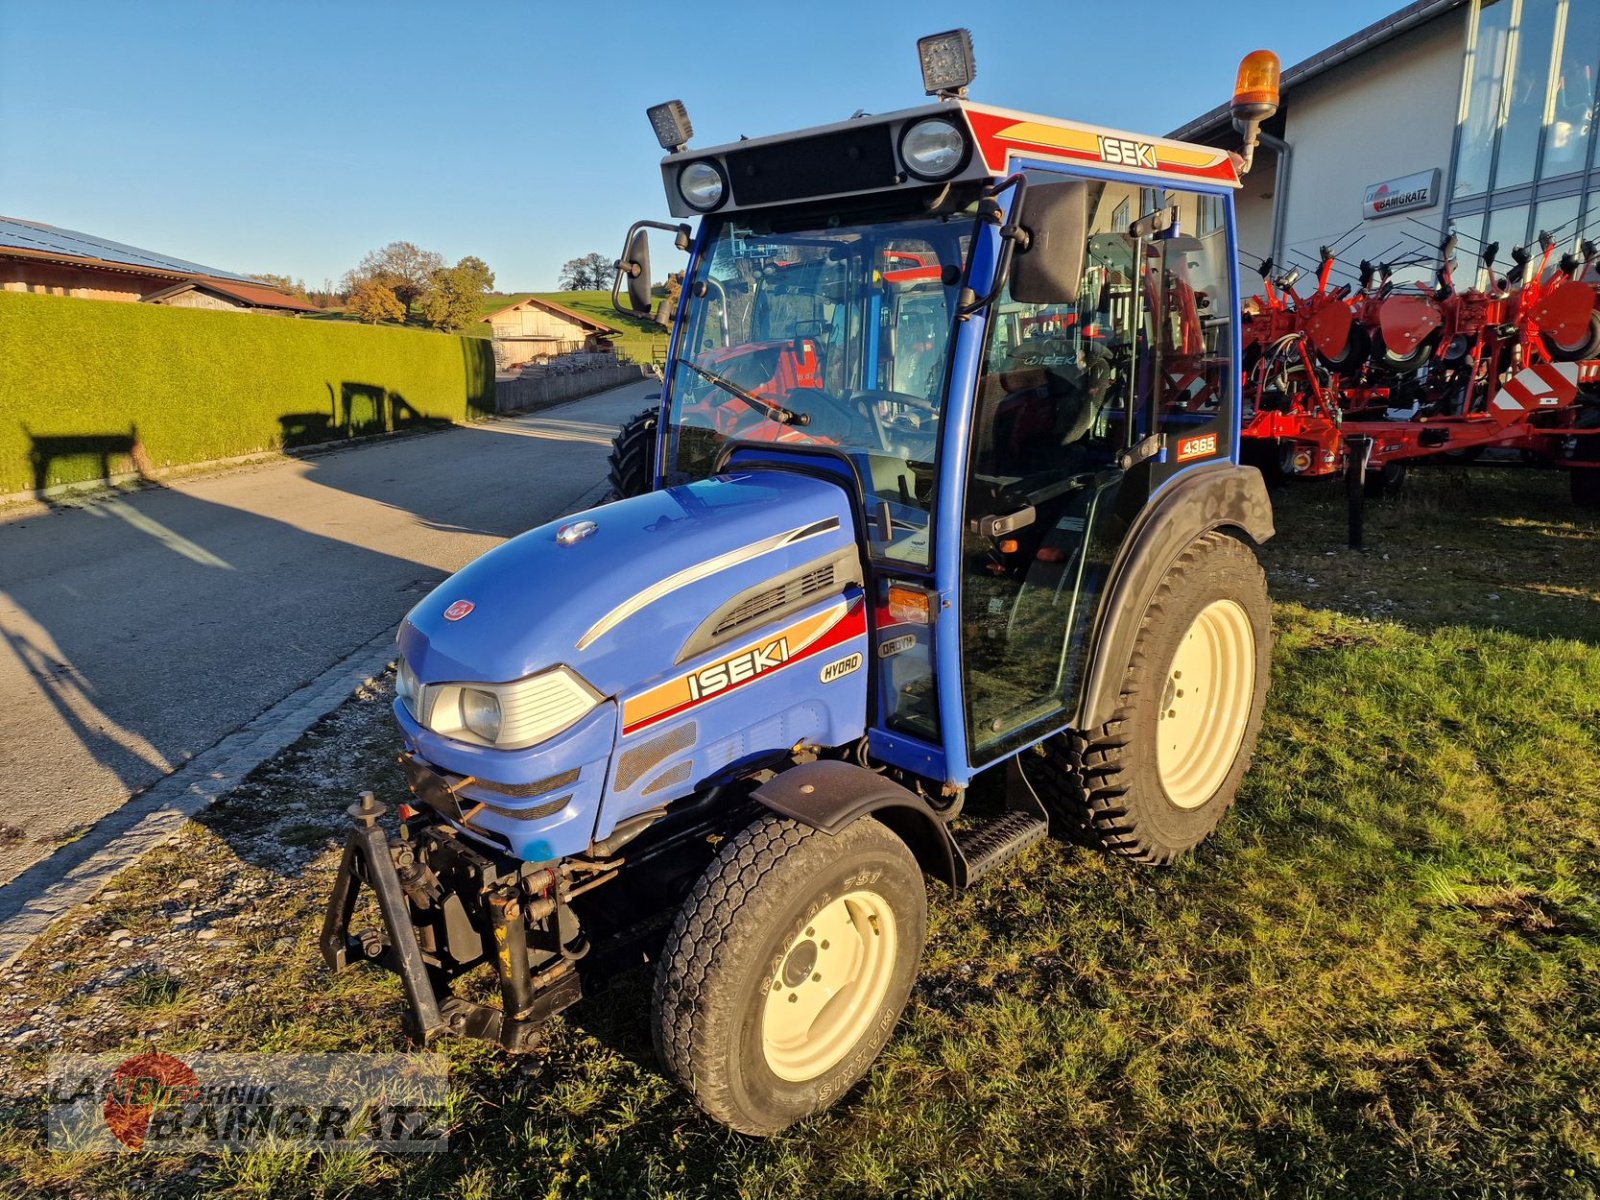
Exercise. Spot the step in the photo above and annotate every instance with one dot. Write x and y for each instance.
(986, 843)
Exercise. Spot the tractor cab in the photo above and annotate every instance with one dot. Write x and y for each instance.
(1005, 334)
(940, 502)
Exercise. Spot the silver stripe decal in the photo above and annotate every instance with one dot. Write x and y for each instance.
(699, 571)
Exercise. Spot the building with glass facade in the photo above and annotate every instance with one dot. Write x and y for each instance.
(1472, 115)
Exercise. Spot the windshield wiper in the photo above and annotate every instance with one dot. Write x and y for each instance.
(784, 416)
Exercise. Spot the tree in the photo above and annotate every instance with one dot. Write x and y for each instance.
(295, 287)
(591, 273)
(452, 299)
(479, 270)
(402, 267)
(374, 301)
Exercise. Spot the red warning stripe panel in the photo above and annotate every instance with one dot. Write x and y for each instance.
(1589, 371)
(1543, 385)
(1002, 136)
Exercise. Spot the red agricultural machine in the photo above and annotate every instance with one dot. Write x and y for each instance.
(1368, 377)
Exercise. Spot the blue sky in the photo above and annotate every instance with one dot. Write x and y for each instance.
(292, 136)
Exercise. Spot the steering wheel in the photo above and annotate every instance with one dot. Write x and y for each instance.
(883, 396)
(851, 420)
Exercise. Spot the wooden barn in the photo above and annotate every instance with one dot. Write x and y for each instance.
(537, 328)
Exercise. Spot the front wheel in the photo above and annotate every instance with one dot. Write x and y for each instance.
(1154, 781)
(787, 968)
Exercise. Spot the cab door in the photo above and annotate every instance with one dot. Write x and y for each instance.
(1081, 413)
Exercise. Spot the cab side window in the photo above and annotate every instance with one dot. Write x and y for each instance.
(1192, 377)
(1052, 417)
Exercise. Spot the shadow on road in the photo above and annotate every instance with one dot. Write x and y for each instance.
(136, 630)
(104, 452)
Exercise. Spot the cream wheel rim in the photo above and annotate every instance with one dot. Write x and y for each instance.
(828, 986)
(1205, 703)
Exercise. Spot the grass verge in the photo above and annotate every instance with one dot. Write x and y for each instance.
(1382, 977)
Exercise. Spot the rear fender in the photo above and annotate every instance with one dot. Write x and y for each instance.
(1216, 496)
(829, 794)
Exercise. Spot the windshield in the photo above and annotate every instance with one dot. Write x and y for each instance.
(830, 330)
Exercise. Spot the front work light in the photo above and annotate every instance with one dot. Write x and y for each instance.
(701, 185)
(671, 123)
(933, 149)
(947, 62)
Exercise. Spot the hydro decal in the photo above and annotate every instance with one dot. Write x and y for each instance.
(1197, 447)
(838, 670)
(804, 639)
(898, 645)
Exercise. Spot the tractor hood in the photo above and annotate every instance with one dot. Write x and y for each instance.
(622, 593)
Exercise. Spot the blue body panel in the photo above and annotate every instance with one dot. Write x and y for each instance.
(586, 746)
(618, 608)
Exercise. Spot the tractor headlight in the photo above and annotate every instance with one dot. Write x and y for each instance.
(933, 149)
(407, 687)
(507, 716)
(480, 713)
(701, 185)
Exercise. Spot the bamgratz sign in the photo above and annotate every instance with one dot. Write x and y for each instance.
(1400, 195)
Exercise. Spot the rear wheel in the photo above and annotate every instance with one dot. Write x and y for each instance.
(632, 463)
(787, 968)
(1585, 345)
(1154, 781)
(1403, 362)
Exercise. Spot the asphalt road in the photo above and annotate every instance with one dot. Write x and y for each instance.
(139, 630)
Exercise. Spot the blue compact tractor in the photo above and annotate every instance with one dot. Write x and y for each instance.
(936, 542)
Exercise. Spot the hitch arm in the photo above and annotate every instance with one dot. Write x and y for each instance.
(366, 860)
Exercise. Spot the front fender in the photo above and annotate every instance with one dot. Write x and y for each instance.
(829, 794)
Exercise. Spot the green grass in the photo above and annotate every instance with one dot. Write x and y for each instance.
(1381, 978)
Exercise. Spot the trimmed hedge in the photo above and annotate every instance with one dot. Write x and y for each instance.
(83, 382)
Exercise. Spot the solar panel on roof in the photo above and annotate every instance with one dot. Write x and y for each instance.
(47, 239)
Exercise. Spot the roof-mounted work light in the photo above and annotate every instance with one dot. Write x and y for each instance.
(948, 65)
(1255, 99)
(671, 123)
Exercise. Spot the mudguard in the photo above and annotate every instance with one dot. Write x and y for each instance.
(1215, 496)
(829, 794)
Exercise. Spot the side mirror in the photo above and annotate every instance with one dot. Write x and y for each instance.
(1056, 216)
(635, 265)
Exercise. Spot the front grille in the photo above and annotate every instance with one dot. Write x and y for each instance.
(774, 598)
(851, 160)
(548, 809)
(639, 759)
(526, 791)
(671, 777)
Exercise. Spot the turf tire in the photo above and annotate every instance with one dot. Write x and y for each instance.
(729, 940)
